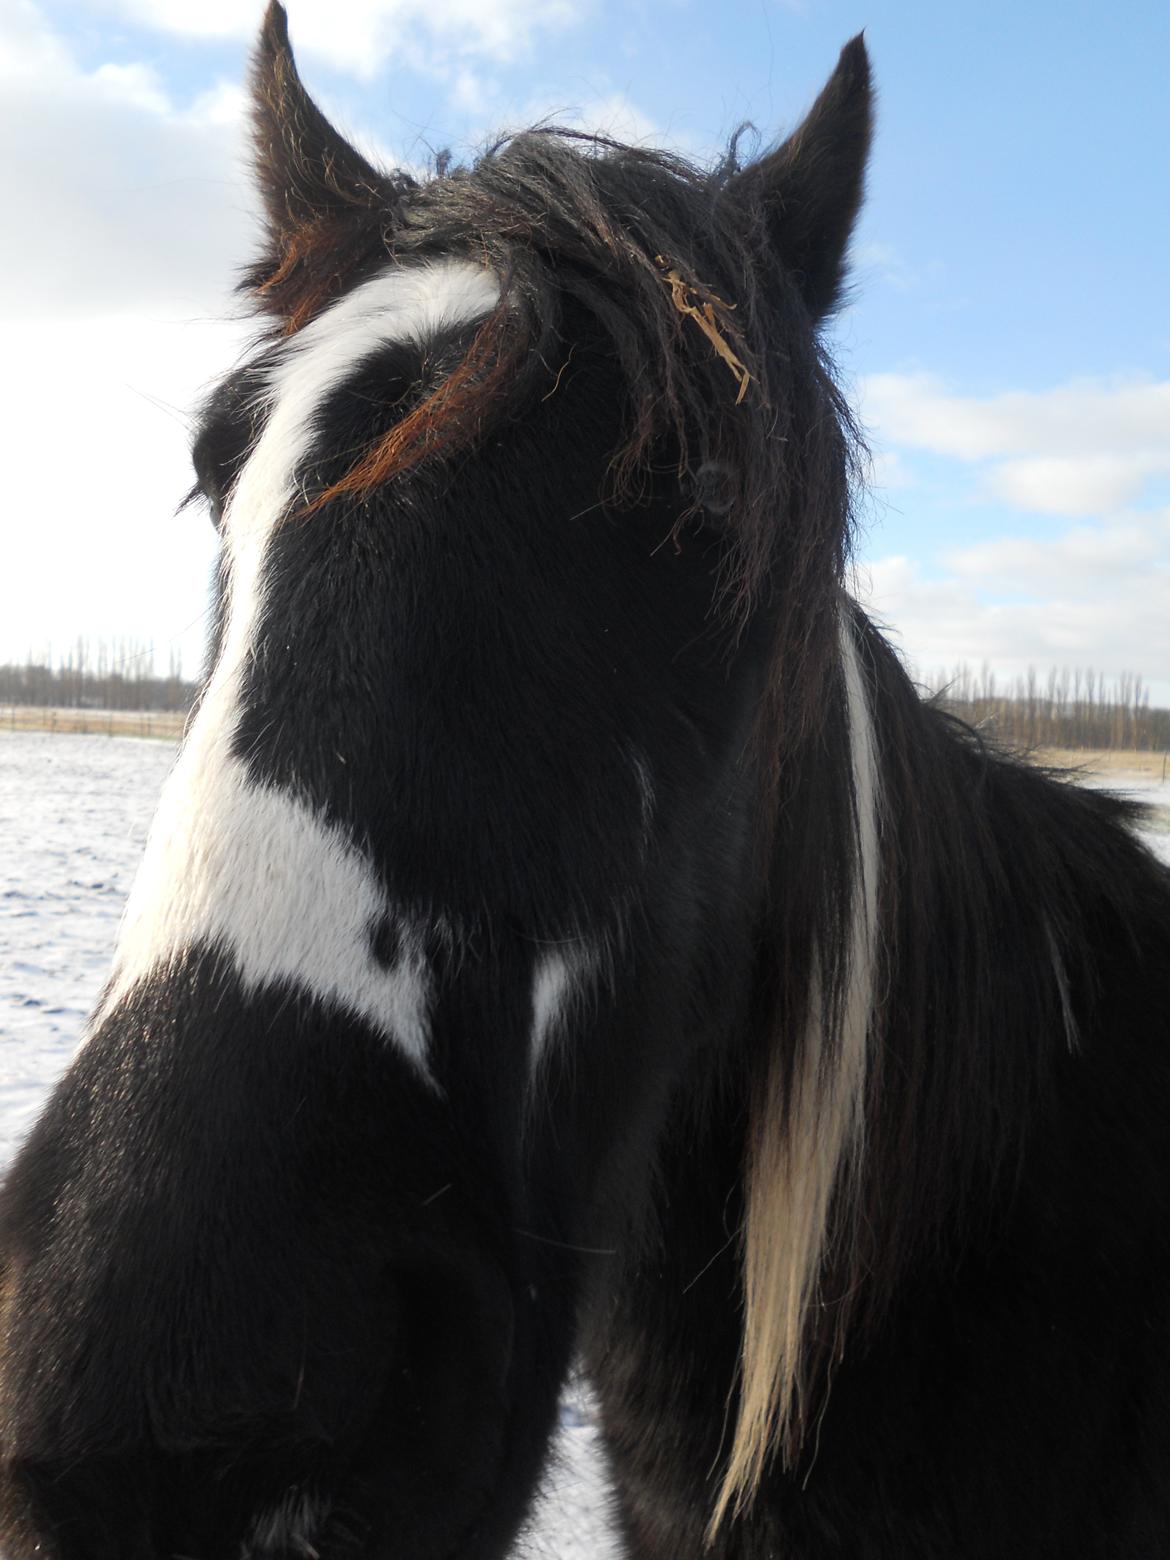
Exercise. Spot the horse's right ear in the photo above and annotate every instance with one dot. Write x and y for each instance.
(809, 189)
(325, 206)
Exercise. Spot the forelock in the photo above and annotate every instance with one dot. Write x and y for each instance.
(673, 266)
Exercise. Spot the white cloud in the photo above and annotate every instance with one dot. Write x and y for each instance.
(1084, 561)
(877, 262)
(125, 222)
(359, 36)
(469, 92)
(1075, 419)
(618, 116)
(598, 109)
(1085, 448)
(1095, 594)
(1074, 484)
(605, 113)
(29, 49)
(1090, 597)
(118, 199)
(224, 104)
(133, 86)
(99, 431)
(889, 471)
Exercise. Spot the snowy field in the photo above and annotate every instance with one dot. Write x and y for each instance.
(74, 811)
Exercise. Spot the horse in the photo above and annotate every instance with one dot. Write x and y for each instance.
(566, 934)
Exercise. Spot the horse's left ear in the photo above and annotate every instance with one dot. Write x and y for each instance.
(810, 188)
(320, 195)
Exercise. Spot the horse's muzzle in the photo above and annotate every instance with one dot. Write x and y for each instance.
(343, 1452)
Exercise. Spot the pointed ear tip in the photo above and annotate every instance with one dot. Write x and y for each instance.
(273, 31)
(850, 88)
(855, 59)
(852, 69)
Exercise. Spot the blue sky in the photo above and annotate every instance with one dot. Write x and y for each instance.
(1008, 342)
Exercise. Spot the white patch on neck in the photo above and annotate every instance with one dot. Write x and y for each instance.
(861, 981)
(558, 978)
(861, 984)
(808, 1130)
(867, 792)
(253, 871)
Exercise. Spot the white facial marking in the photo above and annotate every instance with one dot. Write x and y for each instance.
(255, 871)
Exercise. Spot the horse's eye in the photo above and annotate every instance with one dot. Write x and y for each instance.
(207, 492)
(712, 489)
(207, 489)
(217, 456)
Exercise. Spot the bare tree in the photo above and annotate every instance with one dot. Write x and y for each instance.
(1077, 709)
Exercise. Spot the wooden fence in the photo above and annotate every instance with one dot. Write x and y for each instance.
(163, 725)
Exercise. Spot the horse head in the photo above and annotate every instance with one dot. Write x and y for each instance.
(533, 507)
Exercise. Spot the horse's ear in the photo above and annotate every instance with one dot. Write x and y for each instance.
(810, 188)
(322, 200)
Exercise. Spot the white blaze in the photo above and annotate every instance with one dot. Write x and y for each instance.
(253, 870)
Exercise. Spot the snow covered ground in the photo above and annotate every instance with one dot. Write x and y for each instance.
(73, 818)
(74, 811)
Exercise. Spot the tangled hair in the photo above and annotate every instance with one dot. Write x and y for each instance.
(714, 327)
(675, 266)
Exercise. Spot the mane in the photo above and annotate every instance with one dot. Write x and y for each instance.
(725, 372)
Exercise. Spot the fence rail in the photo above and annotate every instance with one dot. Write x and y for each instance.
(162, 725)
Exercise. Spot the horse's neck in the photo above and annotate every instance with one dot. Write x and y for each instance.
(1011, 907)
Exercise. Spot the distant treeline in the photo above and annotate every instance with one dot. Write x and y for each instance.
(113, 675)
(1066, 708)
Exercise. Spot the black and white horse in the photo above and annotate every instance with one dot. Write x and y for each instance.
(565, 932)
